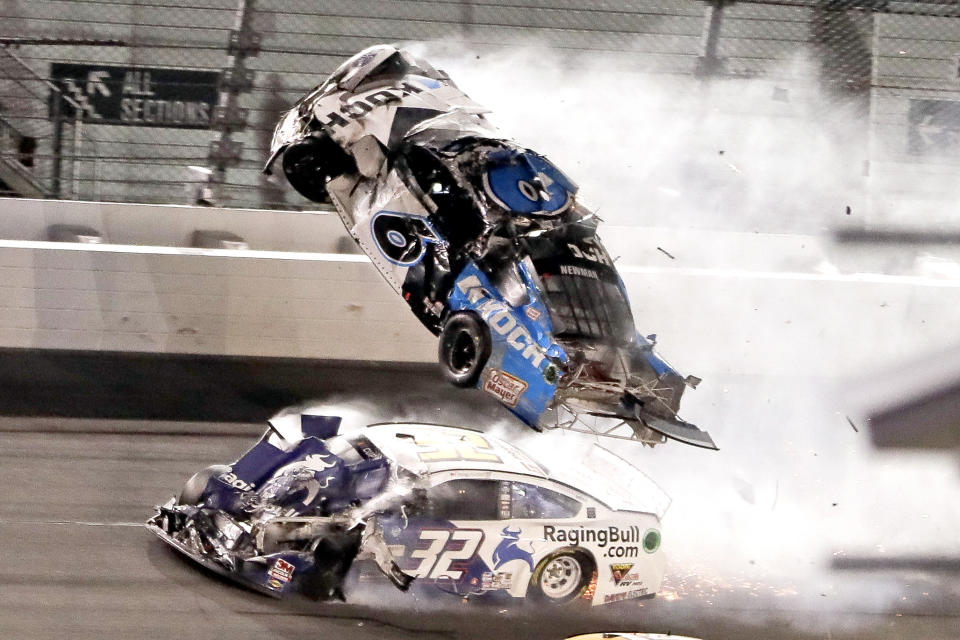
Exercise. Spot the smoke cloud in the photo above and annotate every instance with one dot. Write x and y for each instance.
(793, 484)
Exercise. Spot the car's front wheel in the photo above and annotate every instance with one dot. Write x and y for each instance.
(464, 348)
(561, 577)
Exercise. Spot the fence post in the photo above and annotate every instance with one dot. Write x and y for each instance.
(228, 117)
(709, 63)
(57, 145)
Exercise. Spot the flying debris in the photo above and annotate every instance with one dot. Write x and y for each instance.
(487, 243)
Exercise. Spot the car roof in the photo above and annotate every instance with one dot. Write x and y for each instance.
(429, 448)
(601, 475)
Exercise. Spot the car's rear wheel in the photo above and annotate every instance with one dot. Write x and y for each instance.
(193, 490)
(464, 348)
(561, 577)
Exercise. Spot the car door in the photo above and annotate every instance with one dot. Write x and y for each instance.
(441, 541)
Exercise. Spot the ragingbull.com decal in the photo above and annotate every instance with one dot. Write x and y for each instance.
(600, 536)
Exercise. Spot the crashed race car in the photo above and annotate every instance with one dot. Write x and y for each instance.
(487, 243)
(449, 507)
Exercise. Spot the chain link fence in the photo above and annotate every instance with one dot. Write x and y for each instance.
(876, 83)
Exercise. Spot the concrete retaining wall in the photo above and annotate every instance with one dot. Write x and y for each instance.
(721, 302)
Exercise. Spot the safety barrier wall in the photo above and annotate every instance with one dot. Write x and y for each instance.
(720, 302)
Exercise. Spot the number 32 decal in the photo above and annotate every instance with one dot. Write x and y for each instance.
(443, 547)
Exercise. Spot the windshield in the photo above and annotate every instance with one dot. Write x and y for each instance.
(614, 481)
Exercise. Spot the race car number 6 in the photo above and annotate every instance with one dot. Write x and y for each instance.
(445, 546)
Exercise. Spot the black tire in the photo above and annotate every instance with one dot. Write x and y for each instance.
(561, 577)
(464, 348)
(308, 165)
(192, 491)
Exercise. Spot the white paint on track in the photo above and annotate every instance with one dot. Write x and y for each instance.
(854, 278)
(82, 523)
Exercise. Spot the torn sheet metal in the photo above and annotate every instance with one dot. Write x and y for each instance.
(487, 243)
(292, 514)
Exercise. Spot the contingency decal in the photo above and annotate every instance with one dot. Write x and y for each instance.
(280, 573)
(616, 597)
(503, 386)
(618, 572)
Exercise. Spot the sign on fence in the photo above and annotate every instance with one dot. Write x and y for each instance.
(137, 96)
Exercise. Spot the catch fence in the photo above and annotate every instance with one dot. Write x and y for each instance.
(125, 100)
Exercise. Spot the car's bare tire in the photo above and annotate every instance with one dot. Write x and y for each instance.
(309, 164)
(192, 491)
(464, 348)
(561, 577)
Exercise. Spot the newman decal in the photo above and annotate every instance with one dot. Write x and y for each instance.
(572, 270)
(505, 387)
(619, 571)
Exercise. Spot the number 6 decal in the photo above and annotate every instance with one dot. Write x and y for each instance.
(444, 547)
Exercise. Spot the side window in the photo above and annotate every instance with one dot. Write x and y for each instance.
(464, 500)
(530, 501)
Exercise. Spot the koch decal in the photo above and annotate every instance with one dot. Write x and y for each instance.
(356, 109)
(500, 319)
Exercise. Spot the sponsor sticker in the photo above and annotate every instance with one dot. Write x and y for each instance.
(231, 479)
(532, 313)
(281, 572)
(616, 597)
(619, 571)
(505, 387)
(496, 581)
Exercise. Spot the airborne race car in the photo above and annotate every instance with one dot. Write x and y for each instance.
(486, 242)
(452, 507)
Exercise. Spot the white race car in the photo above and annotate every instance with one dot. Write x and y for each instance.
(496, 520)
(447, 506)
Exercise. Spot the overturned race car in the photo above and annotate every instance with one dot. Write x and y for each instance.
(487, 243)
(450, 507)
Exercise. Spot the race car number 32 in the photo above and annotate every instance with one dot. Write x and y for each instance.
(472, 447)
(444, 547)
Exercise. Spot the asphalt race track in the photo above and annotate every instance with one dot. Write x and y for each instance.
(75, 562)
